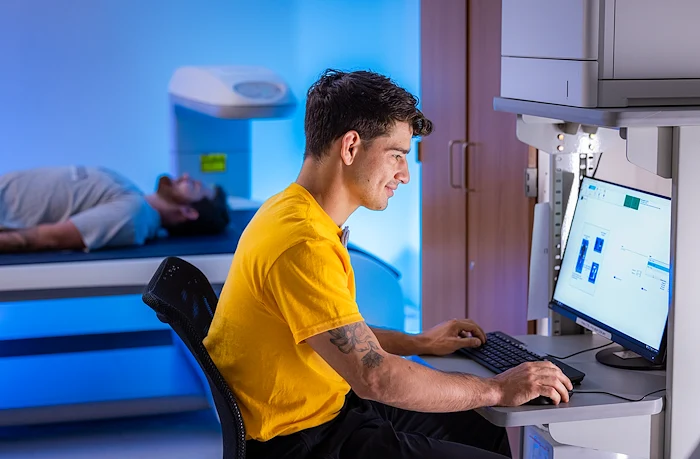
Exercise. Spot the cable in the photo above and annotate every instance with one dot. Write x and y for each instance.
(597, 164)
(580, 352)
(615, 395)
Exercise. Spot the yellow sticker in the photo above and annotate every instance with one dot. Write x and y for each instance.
(212, 162)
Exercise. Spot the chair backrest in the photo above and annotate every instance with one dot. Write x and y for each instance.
(182, 297)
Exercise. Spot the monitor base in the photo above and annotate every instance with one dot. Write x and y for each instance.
(608, 357)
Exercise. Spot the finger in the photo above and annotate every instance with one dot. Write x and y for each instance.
(471, 327)
(565, 380)
(544, 367)
(552, 393)
(479, 332)
(551, 367)
(554, 383)
(551, 373)
(560, 374)
(563, 391)
(557, 385)
(465, 334)
(466, 342)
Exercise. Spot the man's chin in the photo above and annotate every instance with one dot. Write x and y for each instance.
(377, 205)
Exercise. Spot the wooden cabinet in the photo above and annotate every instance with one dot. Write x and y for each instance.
(476, 218)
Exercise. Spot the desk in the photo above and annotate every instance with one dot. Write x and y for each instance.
(596, 421)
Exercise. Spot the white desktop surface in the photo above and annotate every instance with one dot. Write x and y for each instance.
(581, 407)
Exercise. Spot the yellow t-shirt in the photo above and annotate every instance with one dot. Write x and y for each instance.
(290, 279)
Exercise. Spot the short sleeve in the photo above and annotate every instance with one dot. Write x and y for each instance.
(309, 285)
(113, 223)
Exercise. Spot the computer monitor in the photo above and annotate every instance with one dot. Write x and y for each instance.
(615, 272)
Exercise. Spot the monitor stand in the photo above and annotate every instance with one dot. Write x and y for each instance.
(608, 357)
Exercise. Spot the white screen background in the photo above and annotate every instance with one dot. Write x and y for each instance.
(623, 279)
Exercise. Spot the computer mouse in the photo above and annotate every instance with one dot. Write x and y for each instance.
(542, 400)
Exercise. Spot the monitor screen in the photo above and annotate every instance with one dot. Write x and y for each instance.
(615, 272)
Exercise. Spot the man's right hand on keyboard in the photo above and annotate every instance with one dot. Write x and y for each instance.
(529, 380)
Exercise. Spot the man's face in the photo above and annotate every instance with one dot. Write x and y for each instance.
(183, 190)
(381, 166)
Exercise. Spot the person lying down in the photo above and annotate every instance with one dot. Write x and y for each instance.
(90, 208)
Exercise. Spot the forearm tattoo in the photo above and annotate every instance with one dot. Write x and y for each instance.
(356, 337)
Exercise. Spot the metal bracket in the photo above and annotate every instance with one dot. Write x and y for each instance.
(531, 182)
(563, 183)
(650, 148)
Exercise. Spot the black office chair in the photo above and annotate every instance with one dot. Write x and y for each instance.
(182, 297)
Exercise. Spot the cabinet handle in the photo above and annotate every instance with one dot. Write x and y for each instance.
(462, 185)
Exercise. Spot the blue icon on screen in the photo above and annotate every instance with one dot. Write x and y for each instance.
(594, 273)
(598, 245)
(581, 256)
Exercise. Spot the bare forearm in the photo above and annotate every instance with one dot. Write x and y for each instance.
(52, 236)
(376, 374)
(399, 343)
(15, 241)
(412, 386)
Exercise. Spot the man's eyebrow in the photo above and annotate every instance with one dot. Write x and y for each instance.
(396, 148)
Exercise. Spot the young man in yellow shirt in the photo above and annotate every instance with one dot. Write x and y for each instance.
(311, 377)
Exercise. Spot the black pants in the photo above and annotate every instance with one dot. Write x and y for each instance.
(365, 429)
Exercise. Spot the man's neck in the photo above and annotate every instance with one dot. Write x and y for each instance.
(158, 203)
(328, 189)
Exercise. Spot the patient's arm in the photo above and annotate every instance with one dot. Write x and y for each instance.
(52, 236)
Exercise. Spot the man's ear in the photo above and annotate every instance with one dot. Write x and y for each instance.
(349, 147)
(189, 213)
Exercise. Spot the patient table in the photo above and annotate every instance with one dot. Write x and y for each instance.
(76, 342)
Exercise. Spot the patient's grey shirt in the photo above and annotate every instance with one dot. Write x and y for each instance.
(107, 209)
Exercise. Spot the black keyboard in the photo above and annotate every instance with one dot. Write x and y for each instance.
(502, 352)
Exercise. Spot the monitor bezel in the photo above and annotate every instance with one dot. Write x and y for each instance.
(615, 335)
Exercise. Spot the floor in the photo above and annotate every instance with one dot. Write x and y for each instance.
(193, 435)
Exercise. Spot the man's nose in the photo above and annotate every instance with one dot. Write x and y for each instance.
(403, 175)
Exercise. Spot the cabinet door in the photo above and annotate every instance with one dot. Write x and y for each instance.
(475, 244)
(444, 101)
(498, 211)
(554, 29)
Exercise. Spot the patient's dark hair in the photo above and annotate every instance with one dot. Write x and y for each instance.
(213, 217)
(364, 101)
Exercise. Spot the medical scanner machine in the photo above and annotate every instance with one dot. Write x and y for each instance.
(212, 109)
(76, 341)
(585, 77)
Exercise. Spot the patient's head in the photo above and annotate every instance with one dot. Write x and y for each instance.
(188, 207)
(184, 189)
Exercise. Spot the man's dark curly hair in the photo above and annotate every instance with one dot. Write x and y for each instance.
(213, 217)
(364, 101)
